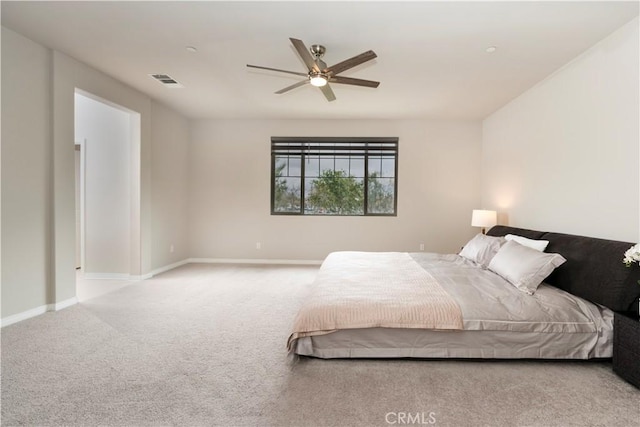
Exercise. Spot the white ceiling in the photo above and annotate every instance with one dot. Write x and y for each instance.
(431, 55)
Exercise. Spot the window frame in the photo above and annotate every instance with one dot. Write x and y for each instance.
(281, 145)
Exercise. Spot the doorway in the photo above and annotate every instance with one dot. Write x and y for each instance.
(107, 189)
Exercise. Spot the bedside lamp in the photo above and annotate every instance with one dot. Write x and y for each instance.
(483, 219)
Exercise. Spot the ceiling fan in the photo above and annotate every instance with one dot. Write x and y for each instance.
(319, 74)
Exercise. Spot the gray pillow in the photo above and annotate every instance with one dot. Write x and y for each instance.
(481, 249)
(524, 267)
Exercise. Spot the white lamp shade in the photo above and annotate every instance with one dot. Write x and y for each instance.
(483, 218)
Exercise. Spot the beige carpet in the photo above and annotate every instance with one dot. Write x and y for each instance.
(205, 345)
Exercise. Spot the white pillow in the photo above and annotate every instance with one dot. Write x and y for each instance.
(481, 249)
(539, 245)
(523, 267)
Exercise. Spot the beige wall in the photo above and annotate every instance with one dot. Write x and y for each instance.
(26, 172)
(438, 187)
(564, 155)
(169, 187)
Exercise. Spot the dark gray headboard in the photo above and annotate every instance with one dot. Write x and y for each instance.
(594, 269)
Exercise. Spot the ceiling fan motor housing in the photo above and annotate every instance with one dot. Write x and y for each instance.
(317, 50)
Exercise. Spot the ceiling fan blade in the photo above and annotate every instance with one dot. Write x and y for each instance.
(328, 93)
(280, 71)
(293, 86)
(351, 62)
(356, 82)
(305, 55)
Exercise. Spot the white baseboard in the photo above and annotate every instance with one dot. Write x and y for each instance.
(221, 261)
(62, 304)
(132, 277)
(161, 270)
(10, 320)
(254, 261)
(107, 276)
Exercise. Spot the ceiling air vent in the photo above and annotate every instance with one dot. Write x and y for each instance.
(166, 80)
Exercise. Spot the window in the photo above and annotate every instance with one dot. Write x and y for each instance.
(334, 176)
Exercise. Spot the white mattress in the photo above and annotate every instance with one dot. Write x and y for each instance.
(499, 322)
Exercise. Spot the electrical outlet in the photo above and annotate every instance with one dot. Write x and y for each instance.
(258, 245)
(171, 248)
(422, 246)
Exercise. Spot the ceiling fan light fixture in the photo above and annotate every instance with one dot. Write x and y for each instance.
(318, 74)
(318, 80)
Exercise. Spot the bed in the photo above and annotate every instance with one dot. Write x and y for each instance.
(484, 302)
